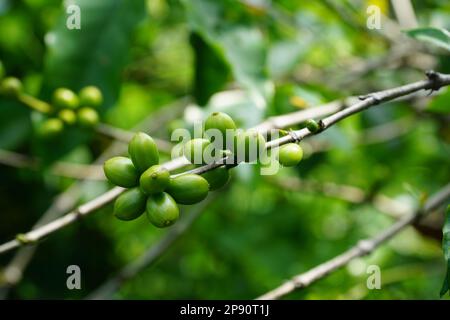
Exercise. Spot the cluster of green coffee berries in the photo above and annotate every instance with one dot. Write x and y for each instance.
(71, 109)
(151, 188)
(67, 108)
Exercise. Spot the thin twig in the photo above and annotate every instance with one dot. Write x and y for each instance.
(362, 248)
(434, 82)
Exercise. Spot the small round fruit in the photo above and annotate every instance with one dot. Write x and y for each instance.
(290, 154)
(162, 210)
(11, 87)
(68, 116)
(130, 204)
(222, 122)
(51, 128)
(121, 172)
(217, 178)
(87, 117)
(143, 151)
(312, 125)
(65, 99)
(194, 150)
(2, 70)
(188, 188)
(155, 179)
(90, 96)
(248, 146)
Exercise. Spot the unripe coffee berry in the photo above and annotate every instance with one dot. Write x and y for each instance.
(290, 154)
(217, 178)
(188, 188)
(50, 128)
(11, 87)
(121, 172)
(194, 150)
(248, 146)
(312, 126)
(154, 180)
(162, 210)
(67, 116)
(221, 122)
(65, 99)
(143, 151)
(130, 204)
(90, 96)
(87, 117)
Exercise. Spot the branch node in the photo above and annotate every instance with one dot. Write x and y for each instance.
(295, 136)
(435, 79)
(23, 239)
(366, 246)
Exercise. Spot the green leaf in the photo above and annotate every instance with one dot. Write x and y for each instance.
(446, 249)
(438, 37)
(241, 44)
(211, 71)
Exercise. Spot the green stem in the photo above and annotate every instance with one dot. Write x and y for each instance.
(34, 103)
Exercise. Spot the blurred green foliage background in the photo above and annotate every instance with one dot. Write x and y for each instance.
(271, 57)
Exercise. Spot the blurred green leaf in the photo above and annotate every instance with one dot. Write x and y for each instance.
(243, 45)
(211, 71)
(446, 248)
(438, 37)
(96, 53)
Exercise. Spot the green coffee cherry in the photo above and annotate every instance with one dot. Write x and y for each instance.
(188, 188)
(90, 96)
(121, 172)
(290, 154)
(67, 116)
(130, 204)
(11, 87)
(143, 151)
(65, 99)
(50, 128)
(217, 178)
(312, 125)
(194, 150)
(162, 210)
(222, 122)
(248, 146)
(2, 70)
(87, 117)
(155, 179)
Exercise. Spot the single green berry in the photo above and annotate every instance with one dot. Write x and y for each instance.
(50, 128)
(290, 154)
(87, 117)
(162, 210)
(2, 70)
(248, 146)
(188, 188)
(312, 125)
(65, 99)
(67, 116)
(11, 87)
(143, 151)
(194, 151)
(121, 172)
(223, 123)
(90, 96)
(130, 204)
(155, 179)
(217, 178)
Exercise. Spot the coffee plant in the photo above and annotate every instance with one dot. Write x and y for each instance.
(273, 139)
